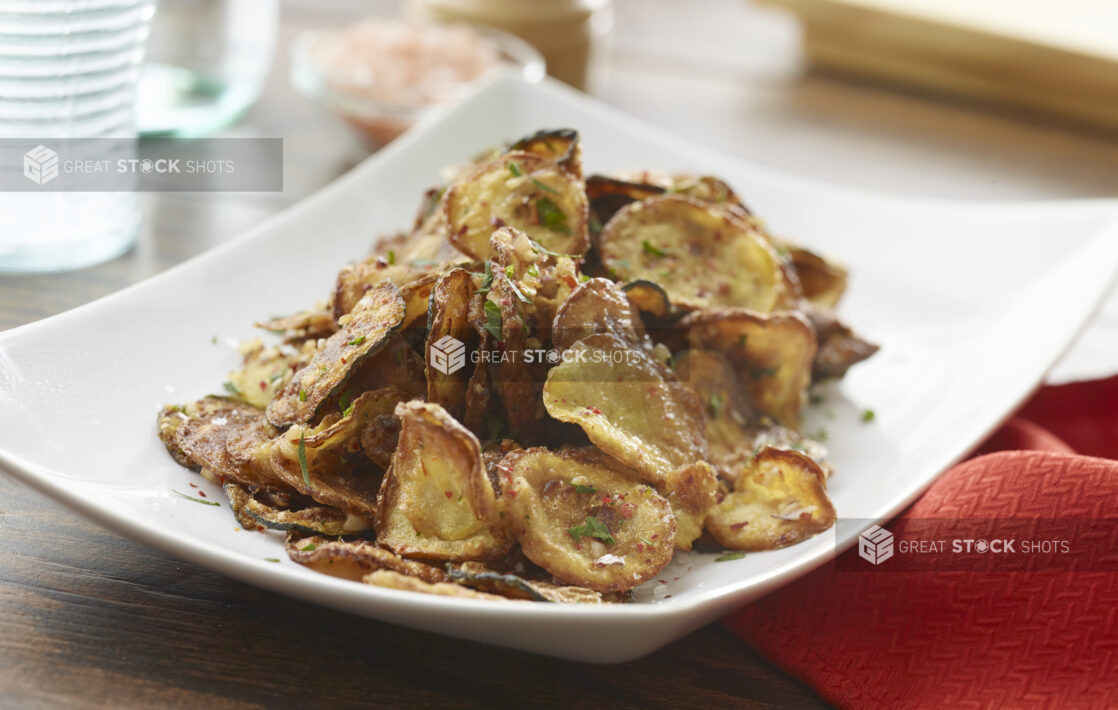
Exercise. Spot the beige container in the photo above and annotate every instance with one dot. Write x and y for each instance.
(566, 32)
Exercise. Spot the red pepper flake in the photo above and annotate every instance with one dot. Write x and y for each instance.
(193, 485)
(448, 495)
(263, 385)
(739, 526)
(202, 493)
(627, 510)
(593, 410)
(343, 360)
(675, 579)
(261, 528)
(570, 281)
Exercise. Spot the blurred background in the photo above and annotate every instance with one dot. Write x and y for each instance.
(849, 92)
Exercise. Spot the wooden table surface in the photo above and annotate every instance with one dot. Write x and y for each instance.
(88, 619)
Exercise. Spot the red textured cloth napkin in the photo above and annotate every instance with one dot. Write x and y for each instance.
(958, 639)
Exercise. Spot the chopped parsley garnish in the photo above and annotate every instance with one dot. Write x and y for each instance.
(868, 415)
(309, 547)
(345, 403)
(302, 395)
(303, 458)
(591, 528)
(510, 271)
(645, 540)
(196, 500)
(551, 216)
(273, 378)
(821, 435)
(652, 250)
(741, 339)
(544, 187)
(232, 389)
(815, 398)
(534, 271)
(759, 372)
(213, 340)
(515, 170)
(493, 319)
(488, 282)
(515, 289)
(271, 559)
(735, 555)
(715, 404)
(579, 488)
(391, 257)
(541, 249)
(358, 340)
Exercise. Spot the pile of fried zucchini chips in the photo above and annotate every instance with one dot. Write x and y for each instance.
(540, 392)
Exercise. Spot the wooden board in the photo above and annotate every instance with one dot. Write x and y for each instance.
(1054, 58)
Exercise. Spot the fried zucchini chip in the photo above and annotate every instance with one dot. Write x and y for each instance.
(450, 339)
(224, 439)
(701, 254)
(436, 500)
(353, 559)
(482, 407)
(311, 324)
(692, 492)
(839, 347)
(728, 413)
(772, 354)
(414, 278)
(597, 306)
(396, 365)
(822, 281)
(517, 311)
(779, 500)
(648, 298)
(607, 195)
(326, 463)
(521, 190)
(580, 516)
(314, 519)
(705, 188)
(477, 576)
(630, 406)
(267, 368)
(560, 146)
(778, 437)
(395, 580)
(364, 332)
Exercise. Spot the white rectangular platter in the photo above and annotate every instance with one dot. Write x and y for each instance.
(971, 303)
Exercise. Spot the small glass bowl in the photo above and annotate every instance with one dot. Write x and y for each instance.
(378, 120)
